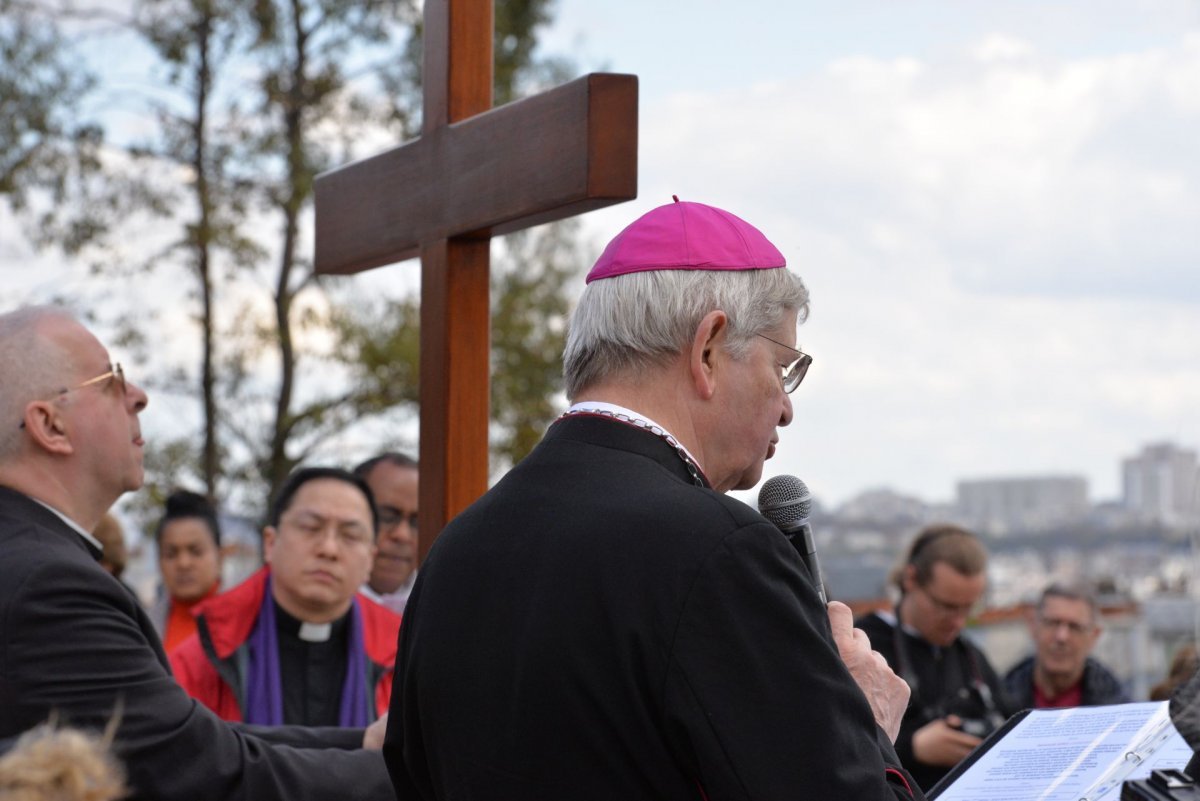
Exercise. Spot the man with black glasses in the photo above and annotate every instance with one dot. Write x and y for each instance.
(957, 698)
(393, 480)
(75, 645)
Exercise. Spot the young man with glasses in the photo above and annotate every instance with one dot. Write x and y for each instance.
(957, 698)
(1064, 627)
(75, 645)
(605, 622)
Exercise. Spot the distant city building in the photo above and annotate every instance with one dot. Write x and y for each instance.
(1162, 483)
(884, 505)
(1000, 505)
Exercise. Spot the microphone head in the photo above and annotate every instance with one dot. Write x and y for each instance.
(785, 501)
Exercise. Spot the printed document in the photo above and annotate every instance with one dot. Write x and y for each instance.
(1076, 754)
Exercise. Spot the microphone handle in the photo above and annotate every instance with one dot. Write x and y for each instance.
(810, 559)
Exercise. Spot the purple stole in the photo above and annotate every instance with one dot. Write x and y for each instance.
(264, 688)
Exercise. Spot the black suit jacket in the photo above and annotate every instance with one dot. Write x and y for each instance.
(75, 643)
(598, 627)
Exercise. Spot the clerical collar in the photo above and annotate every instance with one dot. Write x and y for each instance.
(95, 543)
(645, 423)
(309, 632)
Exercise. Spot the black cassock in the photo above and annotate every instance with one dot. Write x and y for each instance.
(599, 627)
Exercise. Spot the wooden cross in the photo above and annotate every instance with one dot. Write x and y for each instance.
(474, 172)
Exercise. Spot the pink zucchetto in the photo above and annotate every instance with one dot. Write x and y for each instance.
(686, 236)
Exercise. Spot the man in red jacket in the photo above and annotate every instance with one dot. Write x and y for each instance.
(296, 643)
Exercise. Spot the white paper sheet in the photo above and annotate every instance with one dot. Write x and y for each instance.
(1073, 754)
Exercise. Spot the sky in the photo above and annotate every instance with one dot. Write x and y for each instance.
(994, 205)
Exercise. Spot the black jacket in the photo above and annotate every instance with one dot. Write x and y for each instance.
(599, 627)
(957, 679)
(1100, 686)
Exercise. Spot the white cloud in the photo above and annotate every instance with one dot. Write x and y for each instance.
(1001, 246)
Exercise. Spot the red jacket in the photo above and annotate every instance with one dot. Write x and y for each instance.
(206, 664)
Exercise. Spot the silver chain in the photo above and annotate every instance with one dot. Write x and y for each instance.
(692, 468)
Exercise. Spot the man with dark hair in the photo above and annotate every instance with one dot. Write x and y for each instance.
(75, 643)
(957, 698)
(295, 643)
(393, 480)
(1064, 627)
(605, 622)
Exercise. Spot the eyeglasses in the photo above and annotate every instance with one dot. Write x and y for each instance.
(114, 372)
(314, 529)
(1074, 628)
(390, 517)
(792, 374)
(948, 609)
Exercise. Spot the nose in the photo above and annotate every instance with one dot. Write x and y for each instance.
(786, 415)
(136, 396)
(327, 542)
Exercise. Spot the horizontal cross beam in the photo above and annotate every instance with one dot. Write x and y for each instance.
(563, 152)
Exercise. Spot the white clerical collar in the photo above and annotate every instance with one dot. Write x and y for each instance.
(615, 410)
(395, 600)
(315, 632)
(78, 528)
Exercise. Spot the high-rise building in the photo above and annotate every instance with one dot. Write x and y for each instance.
(999, 505)
(1162, 483)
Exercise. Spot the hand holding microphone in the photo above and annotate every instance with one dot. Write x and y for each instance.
(786, 502)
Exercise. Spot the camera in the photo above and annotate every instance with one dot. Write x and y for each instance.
(977, 716)
(1163, 785)
(979, 727)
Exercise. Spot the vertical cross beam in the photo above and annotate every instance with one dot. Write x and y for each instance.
(455, 276)
(475, 172)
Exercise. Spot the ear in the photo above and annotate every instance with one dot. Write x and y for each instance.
(1031, 620)
(908, 578)
(707, 352)
(45, 424)
(269, 535)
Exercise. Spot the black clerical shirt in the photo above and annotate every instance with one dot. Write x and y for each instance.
(312, 673)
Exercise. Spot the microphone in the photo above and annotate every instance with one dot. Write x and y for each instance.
(786, 502)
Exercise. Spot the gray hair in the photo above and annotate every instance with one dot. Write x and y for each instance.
(632, 322)
(33, 366)
(1070, 592)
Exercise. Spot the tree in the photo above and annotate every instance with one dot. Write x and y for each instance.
(44, 146)
(530, 305)
(262, 96)
(194, 40)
